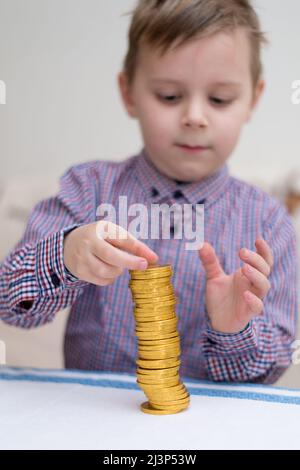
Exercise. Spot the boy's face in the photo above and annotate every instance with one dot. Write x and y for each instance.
(195, 109)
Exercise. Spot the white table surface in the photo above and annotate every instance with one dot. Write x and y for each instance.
(52, 409)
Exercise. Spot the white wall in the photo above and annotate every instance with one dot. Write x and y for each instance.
(59, 60)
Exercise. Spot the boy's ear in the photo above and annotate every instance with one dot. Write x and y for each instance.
(258, 92)
(126, 95)
(259, 89)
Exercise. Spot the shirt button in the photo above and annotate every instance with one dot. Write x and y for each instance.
(55, 279)
(177, 194)
(155, 192)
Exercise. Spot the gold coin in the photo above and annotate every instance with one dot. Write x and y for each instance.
(144, 276)
(155, 336)
(168, 290)
(174, 408)
(170, 347)
(164, 392)
(146, 296)
(158, 372)
(156, 325)
(148, 280)
(159, 342)
(148, 335)
(159, 355)
(144, 288)
(157, 330)
(148, 312)
(142, 318)
(160, 323)
(154, 268)
(156, 281)
(185, 396)
(152, 308)
(166, 382)
(165, 269)
(154, 399)
(156, 308)
(170, 403)
(149, 379)
(146, 292)
(158, 376)
(147, 408)
(148, 284)
(182, 401)
(155, 393)
(158, 346)
(164, 354)
(158, 393)
(158, 364)
(154, 300)
(156, 316)
(149, 350)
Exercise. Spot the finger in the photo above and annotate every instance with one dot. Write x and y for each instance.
(210, 261)
(255, 260)
(254, 303)
(113, 256)
(98, 273)
(260, 283)
(120, 238)
(106, 270)
(265, 251)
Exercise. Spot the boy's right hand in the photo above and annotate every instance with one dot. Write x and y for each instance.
(94, 255)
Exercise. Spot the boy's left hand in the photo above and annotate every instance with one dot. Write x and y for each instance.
(233, 300)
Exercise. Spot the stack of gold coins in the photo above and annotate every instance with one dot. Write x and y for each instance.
(158, 341)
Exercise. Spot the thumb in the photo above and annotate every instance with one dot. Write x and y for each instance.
(210, 261)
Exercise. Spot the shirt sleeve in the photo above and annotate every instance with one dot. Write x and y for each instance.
(34, 282)
(262, 351)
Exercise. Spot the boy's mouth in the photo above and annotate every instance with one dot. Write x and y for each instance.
(190, 148)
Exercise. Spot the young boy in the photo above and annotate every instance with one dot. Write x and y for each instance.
(192, 78)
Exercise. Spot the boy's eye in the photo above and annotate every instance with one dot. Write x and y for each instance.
(169, 98)
(172, 98)
(219, 101)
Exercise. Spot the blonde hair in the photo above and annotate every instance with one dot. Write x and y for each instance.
(159, 23)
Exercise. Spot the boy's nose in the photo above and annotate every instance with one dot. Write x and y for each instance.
(195, 115)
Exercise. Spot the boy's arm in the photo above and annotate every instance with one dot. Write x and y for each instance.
(262, 351)
(34, 283)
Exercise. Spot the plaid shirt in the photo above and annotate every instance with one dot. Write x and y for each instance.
(35, 284)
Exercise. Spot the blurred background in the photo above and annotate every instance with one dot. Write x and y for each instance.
(59, 60)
